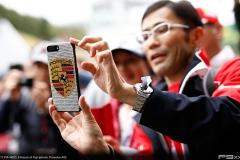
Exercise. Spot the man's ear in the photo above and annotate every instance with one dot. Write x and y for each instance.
(196, 36)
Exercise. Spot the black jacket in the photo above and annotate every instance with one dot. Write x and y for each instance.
(209, 126)
(192, 87)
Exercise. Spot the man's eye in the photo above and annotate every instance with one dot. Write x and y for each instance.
(161, 30)
(145, 37)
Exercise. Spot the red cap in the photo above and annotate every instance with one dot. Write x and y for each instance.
(207, 16)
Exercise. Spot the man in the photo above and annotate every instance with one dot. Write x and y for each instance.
(170, 49)
(172, 32)
(226, 122)
(115, 118)
(27, 106)
(212, 41)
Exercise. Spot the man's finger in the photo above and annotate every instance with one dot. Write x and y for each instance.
(98, 46)
(56, 118)
(85, 107)
(89, 39)
(50, 101)
(64, 115)
(90, 67)
(76, 42)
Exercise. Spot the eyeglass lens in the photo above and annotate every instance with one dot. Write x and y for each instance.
(158, 31)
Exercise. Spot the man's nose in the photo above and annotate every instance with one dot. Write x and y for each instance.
(153, 41)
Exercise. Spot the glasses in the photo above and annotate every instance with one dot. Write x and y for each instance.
(161, 29)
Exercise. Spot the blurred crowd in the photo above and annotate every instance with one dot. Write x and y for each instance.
(26, 128)
(25, 90)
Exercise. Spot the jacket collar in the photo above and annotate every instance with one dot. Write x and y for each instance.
(196, 67)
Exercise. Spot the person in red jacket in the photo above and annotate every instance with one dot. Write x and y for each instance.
(212, 41)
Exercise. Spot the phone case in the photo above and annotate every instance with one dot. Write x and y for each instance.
(63, 74)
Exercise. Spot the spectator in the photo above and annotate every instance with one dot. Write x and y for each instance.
(212, 41)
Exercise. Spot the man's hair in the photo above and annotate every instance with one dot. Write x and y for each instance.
(182, 9)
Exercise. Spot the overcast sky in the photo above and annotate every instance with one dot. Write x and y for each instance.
(61, 12)
(57, 12)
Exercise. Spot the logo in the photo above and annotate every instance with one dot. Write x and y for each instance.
(62, 75)
(228, 157)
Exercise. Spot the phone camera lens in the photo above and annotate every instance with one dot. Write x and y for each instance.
(52, 48)
(56, 48)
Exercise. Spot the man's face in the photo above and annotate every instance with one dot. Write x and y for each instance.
(171, 53)
(212, 36)
(41, 72)
(130, 66)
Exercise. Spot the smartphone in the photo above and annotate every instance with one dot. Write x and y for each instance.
(63, 74)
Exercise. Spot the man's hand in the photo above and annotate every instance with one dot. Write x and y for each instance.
(11, 84)
(81, 131)
(105, 73)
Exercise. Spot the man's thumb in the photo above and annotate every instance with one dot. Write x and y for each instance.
(84, 106)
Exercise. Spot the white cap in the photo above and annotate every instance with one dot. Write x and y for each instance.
(39, 52)
(128, 42)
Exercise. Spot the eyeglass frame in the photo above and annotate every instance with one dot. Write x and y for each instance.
(149, 33)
